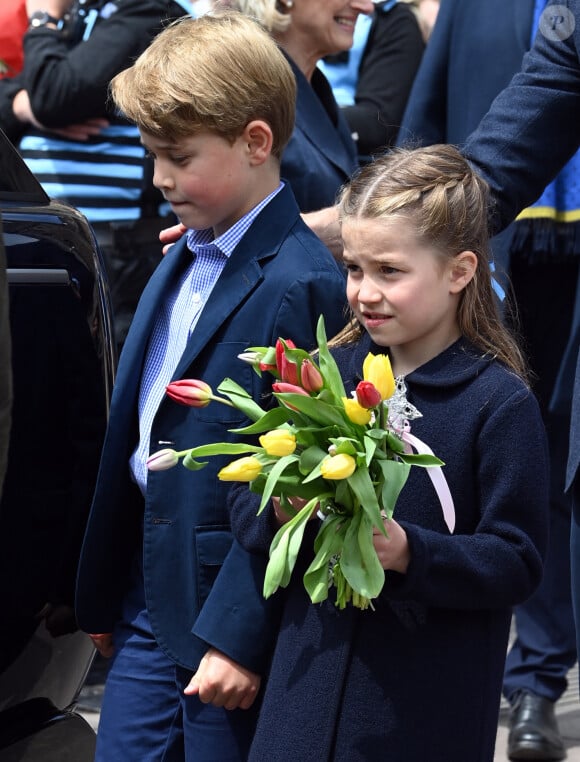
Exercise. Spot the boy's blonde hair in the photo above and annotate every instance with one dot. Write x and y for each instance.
(217, 73)
(446, 201)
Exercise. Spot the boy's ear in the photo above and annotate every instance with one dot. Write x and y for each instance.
(258, 135)
(463, 267)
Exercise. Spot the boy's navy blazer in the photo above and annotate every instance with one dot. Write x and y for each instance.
(276, 283)
(321, 155)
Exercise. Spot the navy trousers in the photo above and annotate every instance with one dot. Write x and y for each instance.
(145, 716)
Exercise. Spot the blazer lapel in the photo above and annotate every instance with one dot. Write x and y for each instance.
(154, 294)
(242, 273)
(317, 126)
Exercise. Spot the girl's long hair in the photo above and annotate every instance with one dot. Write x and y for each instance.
(447, 202)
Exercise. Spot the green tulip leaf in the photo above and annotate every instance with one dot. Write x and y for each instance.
(272, 419)
(284, 550)
(275, 472)
(361, 484)
(223, 448)
(317, 411)
(359, 561)
(425, 460)
(192, 464)
(327, 544)
(327, 363)
(395, 475)
(310, 458)
(240, 398)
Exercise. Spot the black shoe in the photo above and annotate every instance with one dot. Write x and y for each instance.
(534, 731)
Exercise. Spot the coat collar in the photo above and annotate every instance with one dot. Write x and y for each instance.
(460, 362)
(328, 131)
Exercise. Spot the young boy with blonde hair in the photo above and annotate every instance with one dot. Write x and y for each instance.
(214, 101)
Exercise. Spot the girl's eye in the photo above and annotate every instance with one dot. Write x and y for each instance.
(388, 270)
(351, 269)
(178, 159)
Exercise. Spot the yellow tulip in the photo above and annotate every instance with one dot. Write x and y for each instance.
(278, 442)
(377, 369)
(339, 466)
(240, 470)
(355, 412)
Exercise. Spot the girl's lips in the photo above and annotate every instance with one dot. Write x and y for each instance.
(373, 319)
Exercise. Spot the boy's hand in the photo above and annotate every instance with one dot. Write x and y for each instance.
(103, 643)
(169, 236)
(223, 682)
(393, 552)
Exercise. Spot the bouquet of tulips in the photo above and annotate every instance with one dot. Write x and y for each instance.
(344, 457)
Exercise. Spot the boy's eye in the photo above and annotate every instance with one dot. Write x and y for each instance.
(351, 268)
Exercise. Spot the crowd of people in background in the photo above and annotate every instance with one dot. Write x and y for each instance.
(276, 145)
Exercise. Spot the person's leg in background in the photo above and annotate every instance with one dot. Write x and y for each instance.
(545, 646)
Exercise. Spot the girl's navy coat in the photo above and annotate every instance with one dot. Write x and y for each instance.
(419, 678)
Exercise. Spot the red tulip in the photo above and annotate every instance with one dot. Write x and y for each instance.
(311, 377)
(288, 370)
(285, 388)
(190, 392)
(367, 395)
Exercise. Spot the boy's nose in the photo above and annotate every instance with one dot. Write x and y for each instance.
(161, 180)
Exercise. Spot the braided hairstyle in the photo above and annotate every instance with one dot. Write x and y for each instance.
(436, 189)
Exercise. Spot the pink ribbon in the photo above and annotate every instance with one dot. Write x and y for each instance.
(437, 478)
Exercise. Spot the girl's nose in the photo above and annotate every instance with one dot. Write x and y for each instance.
(368, 291)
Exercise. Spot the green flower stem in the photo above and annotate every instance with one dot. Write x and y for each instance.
(222, 400)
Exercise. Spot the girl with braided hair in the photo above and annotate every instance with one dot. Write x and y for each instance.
(417, 677)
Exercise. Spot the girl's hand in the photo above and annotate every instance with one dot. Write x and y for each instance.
(297, 503)
(393, 552)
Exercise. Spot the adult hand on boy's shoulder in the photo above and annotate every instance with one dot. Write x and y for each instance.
(169, 236)
(221, 681)
(324, 223)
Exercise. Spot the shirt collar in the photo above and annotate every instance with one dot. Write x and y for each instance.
(227, 242)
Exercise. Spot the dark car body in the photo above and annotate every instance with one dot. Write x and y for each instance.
(63, 361)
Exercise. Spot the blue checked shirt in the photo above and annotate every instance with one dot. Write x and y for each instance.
(176, 320)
